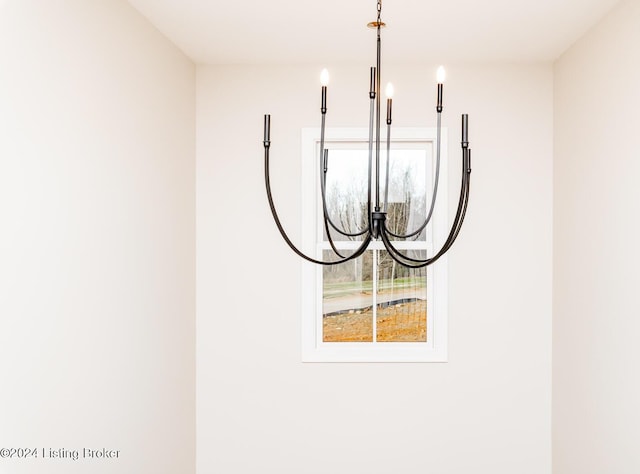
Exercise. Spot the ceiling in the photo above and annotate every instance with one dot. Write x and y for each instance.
(332, 31)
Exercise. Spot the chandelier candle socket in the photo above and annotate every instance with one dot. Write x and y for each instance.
(389, 98)
(465, 130)
(267, 130)
(372, 84)
(375, 227)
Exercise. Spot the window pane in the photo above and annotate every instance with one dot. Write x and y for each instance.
(402, 300)
(407, 195)
(346, 191)
(347, 300)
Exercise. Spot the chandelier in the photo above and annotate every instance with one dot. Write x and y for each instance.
(377, 204)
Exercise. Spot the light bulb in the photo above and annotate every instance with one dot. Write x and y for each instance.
(389, 90)
(441, 75)
(324, 78)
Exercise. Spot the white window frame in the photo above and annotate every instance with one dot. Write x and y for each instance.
(314, 349)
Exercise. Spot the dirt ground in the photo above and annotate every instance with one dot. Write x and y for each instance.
(398, 323)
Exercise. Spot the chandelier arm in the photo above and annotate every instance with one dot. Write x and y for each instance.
(386, 176)
(455, 229)
(459, 228)
(333, 246)
(359, 251)
(434, 195)
(378, 71)
(340, 231)
(346, 234)
(467, 171)
(409, 262)
(453, 234)
(398, 256)
(369, 197)
(323, 162)
(324, 158)
(445, 248)
(324, 204)
(460, 213)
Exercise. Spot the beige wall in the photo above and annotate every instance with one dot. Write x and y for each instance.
(259, 408)
(97, 254)
(596, 253)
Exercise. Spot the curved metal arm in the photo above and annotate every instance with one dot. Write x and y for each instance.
(323, 169)
(324, 156)
(359, 251)
(409, 262)
(327, 217)
(369, 197)
(455, 228)
(434, 195)
(331, 243)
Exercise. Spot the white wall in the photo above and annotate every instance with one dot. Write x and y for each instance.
(596, 254)
(487, 410)
(97, 254)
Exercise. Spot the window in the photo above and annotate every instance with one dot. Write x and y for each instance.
(372, 309)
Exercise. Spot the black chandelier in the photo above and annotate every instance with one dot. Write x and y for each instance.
(375, 227)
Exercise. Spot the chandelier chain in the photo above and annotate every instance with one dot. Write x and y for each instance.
(379, 11)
